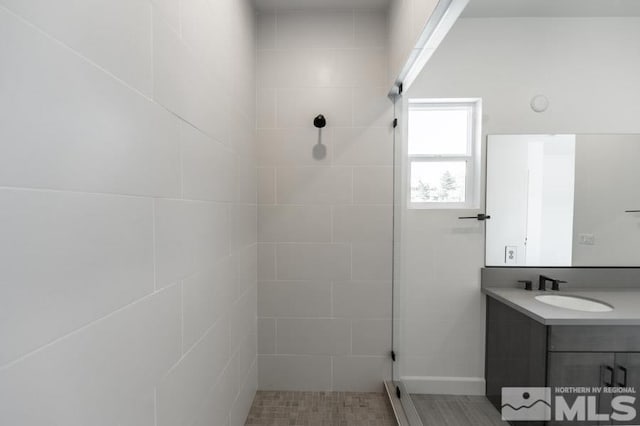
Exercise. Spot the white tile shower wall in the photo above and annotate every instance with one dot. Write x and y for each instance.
(128, 212)
(324, 224)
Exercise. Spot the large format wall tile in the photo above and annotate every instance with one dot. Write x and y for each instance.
(361, 146)
(316, 68)
(170, 12)
(293, 147)
(206, 30)
(371, 107)
(242, 316)
(266, 30)
(373, 185)
(184, 85)
(244, 401)
(190, 236)
(294, 224)
(266, 185)
(244, 221)
(208, 167)
(303, 29)
(266, 108)
(359, 373)
(102, 375)
(361, 224)
(115, 34)
(266, 261)
(68, 259)
(128, 212)
(361, 299)
(313, 336)
(216, 404)
(242, 131)
(324, 222)
(297, 107)
(294, 372)
(68, 125)
(371, 261)
(245, 264)
(266, 336)
(370, 28)
(370, 337)
(246, 179)
(206, 297)
(245, 354)
(180, 393)
(296, 299)
(313, 262)
(314, 185)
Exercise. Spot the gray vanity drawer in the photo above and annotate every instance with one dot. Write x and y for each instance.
(618, 338)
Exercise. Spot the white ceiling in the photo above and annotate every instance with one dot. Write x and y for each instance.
(549, 8)
(320, 4)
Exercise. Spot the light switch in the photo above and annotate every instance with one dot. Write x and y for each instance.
(586, 239)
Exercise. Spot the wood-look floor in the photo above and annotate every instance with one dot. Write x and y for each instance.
(449, 410)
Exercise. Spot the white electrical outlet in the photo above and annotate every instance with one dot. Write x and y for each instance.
(511, 255)
(587, 239)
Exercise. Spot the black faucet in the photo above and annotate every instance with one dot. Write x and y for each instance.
(555, 283)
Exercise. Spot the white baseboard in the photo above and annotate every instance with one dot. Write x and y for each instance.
(444, 385)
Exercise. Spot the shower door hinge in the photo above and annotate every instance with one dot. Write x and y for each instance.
(398, 393)
(400, 87)
(393, 355)
(395, 123)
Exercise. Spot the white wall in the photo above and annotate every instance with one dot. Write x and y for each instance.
(127, 212)
(588, 69)
(324, 293)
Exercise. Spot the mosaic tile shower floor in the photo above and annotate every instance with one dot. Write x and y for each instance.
(320, 409)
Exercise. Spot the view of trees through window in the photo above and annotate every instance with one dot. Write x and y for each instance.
(438, 182)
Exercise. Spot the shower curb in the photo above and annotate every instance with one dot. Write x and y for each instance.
(406, 414)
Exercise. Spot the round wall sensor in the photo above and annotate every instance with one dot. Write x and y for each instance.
(539, 103)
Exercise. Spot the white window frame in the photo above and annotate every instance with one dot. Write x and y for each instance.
(472, 159)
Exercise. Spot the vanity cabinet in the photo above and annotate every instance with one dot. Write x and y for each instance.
(522, 352)
(581, 369)
(628, 374)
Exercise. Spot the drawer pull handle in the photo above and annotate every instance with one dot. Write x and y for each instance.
(624, 372)
(603, 370)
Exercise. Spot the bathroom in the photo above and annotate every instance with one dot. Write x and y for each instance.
(234, 212)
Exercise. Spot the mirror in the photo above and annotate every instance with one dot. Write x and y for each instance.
(563, 200)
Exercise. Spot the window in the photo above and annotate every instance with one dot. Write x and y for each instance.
(444, 153)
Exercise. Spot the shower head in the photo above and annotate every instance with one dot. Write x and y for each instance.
(320, 121)
(319, 150)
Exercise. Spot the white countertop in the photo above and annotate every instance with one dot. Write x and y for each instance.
(625, 303)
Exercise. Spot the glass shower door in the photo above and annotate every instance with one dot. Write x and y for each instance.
(399, 290)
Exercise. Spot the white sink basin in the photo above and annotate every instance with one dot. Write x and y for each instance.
(574, 303)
